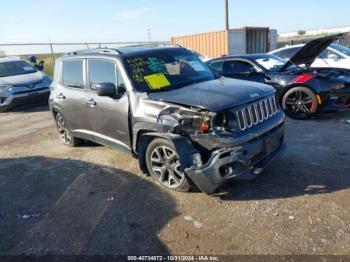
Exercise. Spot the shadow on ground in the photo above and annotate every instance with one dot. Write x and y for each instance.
(59, 206)
(289, 181)
(315, 161)
(30, 109)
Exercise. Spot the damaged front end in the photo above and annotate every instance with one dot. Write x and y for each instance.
(243, 162)
(215, 147)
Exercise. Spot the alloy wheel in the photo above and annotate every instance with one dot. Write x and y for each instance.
(165, 164)
(300, 103)
(63, 131)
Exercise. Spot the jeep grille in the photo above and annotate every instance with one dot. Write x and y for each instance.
(255, 113)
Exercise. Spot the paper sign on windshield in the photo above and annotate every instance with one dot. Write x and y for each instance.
(157, 81)
(173, 69)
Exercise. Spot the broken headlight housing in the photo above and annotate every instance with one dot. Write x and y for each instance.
(188, 121)
(195, 124)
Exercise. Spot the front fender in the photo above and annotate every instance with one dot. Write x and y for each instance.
(182, 144)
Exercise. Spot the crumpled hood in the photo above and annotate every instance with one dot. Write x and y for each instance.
(310, 51)
(24, 79)
(215, 95)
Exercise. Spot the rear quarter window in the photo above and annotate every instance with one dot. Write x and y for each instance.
(72, 73)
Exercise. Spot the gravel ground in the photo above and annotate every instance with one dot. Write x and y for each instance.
(94, 200)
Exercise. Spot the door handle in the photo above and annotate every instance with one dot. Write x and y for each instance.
(91, 102)
(60, 96)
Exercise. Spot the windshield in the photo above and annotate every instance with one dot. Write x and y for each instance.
(165, 70)
(16, 68)
(341, 49)
(271, 63)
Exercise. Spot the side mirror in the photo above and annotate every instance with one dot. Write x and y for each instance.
(121, 89)
(105, 89)
(333, 57)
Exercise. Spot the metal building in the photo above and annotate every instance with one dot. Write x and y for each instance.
(246, 40)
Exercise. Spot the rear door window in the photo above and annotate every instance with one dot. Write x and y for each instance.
(72, 73)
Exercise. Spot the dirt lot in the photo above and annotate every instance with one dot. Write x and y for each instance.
(93, 200)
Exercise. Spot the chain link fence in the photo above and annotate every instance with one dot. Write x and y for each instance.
(48, 52)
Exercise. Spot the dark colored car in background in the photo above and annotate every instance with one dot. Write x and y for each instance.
(302, 91)
(21, 84)
(164, 106)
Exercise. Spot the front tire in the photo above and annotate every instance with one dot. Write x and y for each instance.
(64, 132)
(300, 102)
(163, 164)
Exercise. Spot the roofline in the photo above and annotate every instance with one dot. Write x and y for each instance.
(244, 56)
(119, 51)
(93, 51)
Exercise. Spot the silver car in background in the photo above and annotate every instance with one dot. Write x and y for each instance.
(21, 84)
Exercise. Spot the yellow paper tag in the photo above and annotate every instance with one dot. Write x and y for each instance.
(157, 81)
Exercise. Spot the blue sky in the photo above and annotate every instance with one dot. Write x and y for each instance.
(117, 20)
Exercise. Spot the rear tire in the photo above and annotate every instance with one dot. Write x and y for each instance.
(300, 102)
(163, 164)
(64, 132)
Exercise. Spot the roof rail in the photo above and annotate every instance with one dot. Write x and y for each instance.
(118, 52)
(95, 51)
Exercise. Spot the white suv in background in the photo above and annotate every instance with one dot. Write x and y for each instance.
(334, 56)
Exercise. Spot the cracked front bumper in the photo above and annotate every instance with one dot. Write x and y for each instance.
(243, 162)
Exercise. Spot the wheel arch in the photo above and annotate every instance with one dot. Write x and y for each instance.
(183, 146)
(288, 87)
(54, 110)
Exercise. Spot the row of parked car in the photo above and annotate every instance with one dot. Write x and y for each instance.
(21, 83)
(190, 124)
(309, 79)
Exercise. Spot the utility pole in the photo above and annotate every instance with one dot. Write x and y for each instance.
(52, 54)
(227, 25)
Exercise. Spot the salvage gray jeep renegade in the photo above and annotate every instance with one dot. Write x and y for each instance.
(187, 126)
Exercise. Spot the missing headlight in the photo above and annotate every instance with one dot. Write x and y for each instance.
(224, 122)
